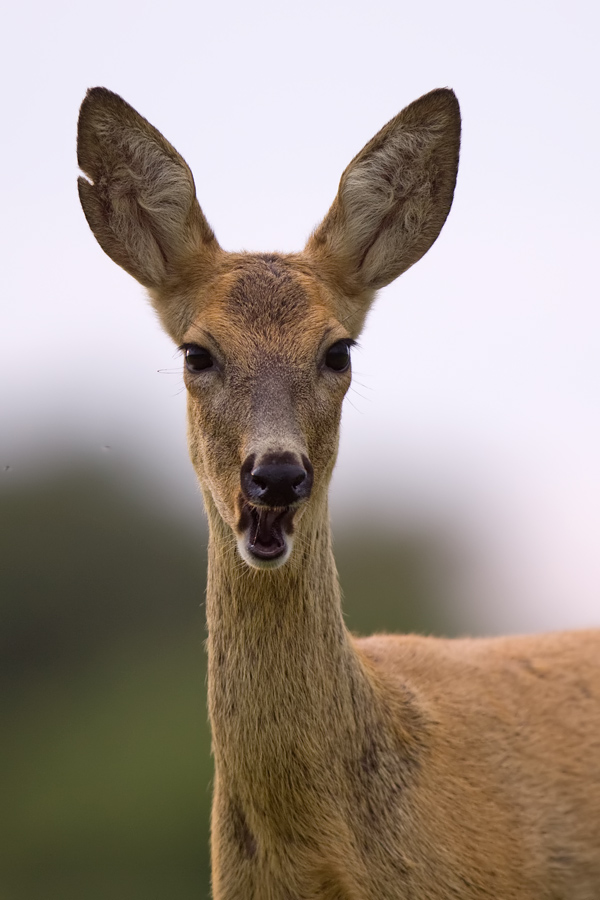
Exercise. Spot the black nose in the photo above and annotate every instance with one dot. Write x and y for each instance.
(275, 481)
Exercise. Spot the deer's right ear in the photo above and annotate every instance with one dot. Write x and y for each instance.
(139, 196)
(392, 202)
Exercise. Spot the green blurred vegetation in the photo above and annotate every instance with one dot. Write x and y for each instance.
(105, 765)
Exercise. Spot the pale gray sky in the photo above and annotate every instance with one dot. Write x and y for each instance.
(479, 371)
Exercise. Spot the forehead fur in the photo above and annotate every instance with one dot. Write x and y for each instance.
(266, 293)
(270, 298)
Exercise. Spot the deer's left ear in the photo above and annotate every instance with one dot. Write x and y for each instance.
(392, 200)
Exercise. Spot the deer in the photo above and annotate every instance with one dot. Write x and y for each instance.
(390, 767)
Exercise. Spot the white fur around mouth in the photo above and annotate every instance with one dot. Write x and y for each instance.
(256, 562)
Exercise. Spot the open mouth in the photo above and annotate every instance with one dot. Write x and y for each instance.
(266, 532)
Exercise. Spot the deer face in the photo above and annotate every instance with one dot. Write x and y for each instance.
(265, 339)
(267, 365)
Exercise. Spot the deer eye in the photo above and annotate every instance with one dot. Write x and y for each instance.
(338, 356)
(197, 359)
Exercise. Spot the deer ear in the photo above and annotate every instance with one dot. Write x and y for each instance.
(393, 198)
(139, 196)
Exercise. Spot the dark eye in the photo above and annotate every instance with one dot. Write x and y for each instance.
(197, 359)
(338, 356)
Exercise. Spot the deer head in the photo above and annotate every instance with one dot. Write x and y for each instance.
(266, 338)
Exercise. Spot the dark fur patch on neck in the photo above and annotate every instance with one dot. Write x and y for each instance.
(244, 838)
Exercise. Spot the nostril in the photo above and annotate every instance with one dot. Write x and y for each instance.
(276, 483)
(299, 479)
(259, 480)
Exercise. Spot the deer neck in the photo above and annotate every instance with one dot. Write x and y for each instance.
(288, 696)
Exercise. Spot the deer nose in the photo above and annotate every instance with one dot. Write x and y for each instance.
(276, 482)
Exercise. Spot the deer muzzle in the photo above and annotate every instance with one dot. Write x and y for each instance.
(272, 489)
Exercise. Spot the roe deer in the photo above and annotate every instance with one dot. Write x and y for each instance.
(346, 769)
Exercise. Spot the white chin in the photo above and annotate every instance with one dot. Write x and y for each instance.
(258, 562)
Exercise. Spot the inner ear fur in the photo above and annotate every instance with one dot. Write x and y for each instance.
(139, 196)
(393, 198)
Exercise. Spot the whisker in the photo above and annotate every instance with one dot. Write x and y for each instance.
(358, 394)
(353, 405)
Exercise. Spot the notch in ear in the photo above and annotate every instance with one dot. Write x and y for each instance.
(139, 196)
(392, 200)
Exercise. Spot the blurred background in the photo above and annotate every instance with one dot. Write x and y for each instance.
(475, 409)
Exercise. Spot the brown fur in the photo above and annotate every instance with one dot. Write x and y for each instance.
(386, 768)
